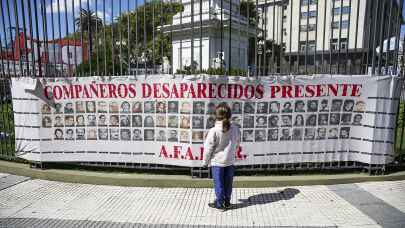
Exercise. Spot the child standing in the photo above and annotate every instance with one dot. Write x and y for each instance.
(220, 147)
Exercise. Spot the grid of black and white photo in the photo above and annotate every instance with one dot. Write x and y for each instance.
(296, 120)
(188, 121)
(172, 121)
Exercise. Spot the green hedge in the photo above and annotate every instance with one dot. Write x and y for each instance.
(7, 146)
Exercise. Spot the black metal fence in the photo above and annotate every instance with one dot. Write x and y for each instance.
(73, 38)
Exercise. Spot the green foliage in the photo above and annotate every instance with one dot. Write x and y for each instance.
(144, 39)
(213, 71)
(7, 128)
(400, 136)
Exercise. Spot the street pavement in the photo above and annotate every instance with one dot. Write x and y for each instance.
(27, 202)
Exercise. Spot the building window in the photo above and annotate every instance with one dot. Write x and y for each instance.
(344, 9)
(308, 2)
(334, 44)
(307, 28)
(309, 14)
(345, 24)
(311, 44)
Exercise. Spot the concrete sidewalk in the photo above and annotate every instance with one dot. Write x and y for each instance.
(27, 202)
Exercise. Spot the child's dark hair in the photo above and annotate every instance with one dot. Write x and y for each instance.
(223, 112)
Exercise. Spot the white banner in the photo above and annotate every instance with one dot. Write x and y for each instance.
(163, 119)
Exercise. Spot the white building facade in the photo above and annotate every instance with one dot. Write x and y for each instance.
(199, 42)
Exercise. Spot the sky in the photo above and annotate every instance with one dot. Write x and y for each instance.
(57, 14)
(57, 11)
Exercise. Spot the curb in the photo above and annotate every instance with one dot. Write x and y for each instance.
(183, 181)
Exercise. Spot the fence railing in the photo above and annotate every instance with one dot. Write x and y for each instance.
(72, 38)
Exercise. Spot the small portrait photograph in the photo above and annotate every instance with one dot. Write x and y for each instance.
(136, 121)
(114, 107)
(185, 107)
(114, 121)
(287, 107)
(348, 105)
(172, 136)
(173, 107)
(185, 136)
(114, 134)
(360, 106)
(137, 135)
(336, 105)
(309, 134)
(299, 106)
(103, 133)
(210, 122)
(286, 120)
(125, 134)
(90, 106)
(285, 134)
(334, 119)
(58, 121)
(125, 107)
(161, 121)
(161, 135)
(237, 120)
(102, 107)
(211, 108)
(321, 133)
(58, 134)
(148, 121)
(70, 135)
(198, 122)
(272, 135)
(68, 109)
(261, 121)
(70, 121)
(80, 107)
(323, 119)
(149, 135)
(173, 121)
(91, 134)
(248, 121)
(299, 120)
(58, 108)
(46, 109)
(198, 107)
(324, 106)
(161, 107)
(149, 107)
(273, 121)
(297, 134)
(262, 107)
(249, 107)
(125, 121)
(312, 106)
(184, 122)
(260, 135)
(333, 133)
(80, 120)
(274, 107)
(102, 120)
(91, 120)
(137, 107)
(80, 134)
(344, 132)
(346, 119)
(197, 136)
(248, 136)
(357, 119)
(236, 108)
(311, 120)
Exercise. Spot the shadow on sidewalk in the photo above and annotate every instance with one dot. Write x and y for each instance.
(264, 198)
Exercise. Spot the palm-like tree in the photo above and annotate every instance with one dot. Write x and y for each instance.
(89, 22)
